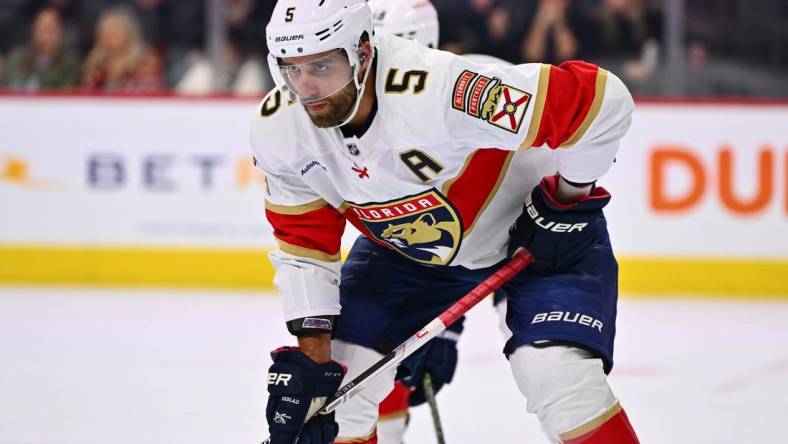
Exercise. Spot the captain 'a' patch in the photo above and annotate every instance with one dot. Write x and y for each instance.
(423, 227)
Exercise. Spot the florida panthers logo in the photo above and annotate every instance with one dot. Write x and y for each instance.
(424, 227)
(424, 235)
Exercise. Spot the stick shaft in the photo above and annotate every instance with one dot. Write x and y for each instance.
(429, 394)
(520, 260)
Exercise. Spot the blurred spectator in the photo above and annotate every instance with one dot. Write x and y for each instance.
(44, 63)
(120, 60)
(177, 31)
(72, 16)
(239, 13)
(490, 27)
(12, 30)
(506, 25)
(246, 21)
(622, 26)
(243, 70)
(552, 35)
(241, 74)
(705, 76)
(463, 25)
(628, 37)
(152, 15)
(735, 47)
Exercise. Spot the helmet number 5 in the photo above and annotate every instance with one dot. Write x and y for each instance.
(289, 14)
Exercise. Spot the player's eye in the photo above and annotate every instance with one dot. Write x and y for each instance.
(321, 67)
(292, 70)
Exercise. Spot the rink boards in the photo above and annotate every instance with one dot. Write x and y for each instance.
(162, 192)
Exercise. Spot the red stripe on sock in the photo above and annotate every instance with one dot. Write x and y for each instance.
(616, 430)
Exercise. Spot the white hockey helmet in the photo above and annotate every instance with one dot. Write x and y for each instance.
(411, 19)
(301, 28)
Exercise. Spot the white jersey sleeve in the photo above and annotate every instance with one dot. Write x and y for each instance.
(577, 108)
(308, 230)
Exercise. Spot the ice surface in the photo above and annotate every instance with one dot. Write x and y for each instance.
(97, 366)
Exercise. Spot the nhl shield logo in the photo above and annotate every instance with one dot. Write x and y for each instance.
(423, 227)
(352, 149)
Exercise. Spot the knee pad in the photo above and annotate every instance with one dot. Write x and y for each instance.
(564, 386)
(358, 416)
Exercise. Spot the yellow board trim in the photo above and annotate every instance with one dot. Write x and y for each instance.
(596, 105)
(242, 269)
(136, 267)
(541, 99)
(699, 276)
(296, 209)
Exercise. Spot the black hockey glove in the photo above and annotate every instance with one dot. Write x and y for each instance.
(439, 359)
(557, 234)
(297, 384)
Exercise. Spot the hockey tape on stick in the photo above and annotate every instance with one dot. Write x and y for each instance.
(521, 259)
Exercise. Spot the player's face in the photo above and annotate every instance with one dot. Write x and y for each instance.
(334, 109)
(313, 78)
(322, 83)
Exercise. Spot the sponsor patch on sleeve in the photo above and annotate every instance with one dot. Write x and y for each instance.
(475, 96)
(461, 89)
(490, 100)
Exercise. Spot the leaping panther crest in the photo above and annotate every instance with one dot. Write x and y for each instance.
(423, 238)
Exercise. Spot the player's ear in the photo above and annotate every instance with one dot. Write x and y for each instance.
(365, 54)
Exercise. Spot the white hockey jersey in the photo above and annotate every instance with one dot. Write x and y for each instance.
(441, 172)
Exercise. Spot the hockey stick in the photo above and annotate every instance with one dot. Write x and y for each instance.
(429, 394)
(519, 260)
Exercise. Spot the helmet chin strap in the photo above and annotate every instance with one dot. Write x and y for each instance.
(359, 91)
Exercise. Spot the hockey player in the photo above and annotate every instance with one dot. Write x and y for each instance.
(427, 154)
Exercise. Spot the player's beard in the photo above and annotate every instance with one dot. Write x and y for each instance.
(338, 106)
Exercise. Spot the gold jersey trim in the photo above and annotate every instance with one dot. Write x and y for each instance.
(295, 250)
(593, 424)
(541, 99)
(596, 105)
(294, 210)
(493, 191)
(355, 439)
